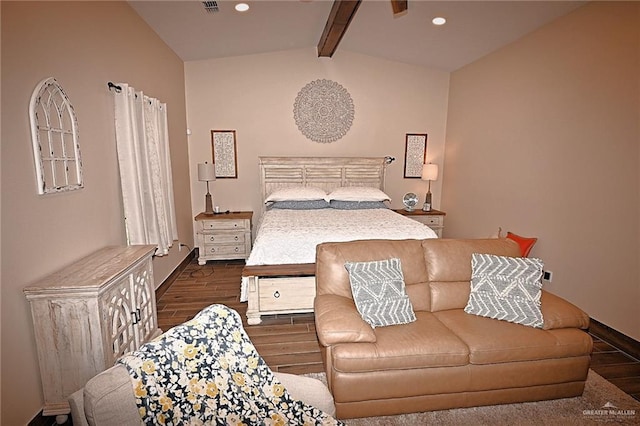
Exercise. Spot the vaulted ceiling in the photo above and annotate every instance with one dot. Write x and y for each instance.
(473, 28)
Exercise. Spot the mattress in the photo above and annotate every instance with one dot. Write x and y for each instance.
(291, 236)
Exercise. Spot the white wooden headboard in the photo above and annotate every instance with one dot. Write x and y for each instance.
(327, 173)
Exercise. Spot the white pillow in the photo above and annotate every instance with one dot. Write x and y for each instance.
(357, 193)
(297, 193)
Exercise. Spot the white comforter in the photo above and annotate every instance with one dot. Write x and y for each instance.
(291, 236)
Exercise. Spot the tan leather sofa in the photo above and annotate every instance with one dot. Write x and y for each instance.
(446, 358)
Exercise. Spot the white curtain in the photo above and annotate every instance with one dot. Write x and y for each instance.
(145, 169)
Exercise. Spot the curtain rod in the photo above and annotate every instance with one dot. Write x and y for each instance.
(117, 88)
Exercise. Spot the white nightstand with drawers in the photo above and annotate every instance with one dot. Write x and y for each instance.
(223, 236)
(434, 219)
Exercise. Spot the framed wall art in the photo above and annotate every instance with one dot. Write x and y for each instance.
(415, 154)
(54, 137)
(223, 146)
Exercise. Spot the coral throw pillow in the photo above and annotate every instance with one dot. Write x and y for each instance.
(525, 243)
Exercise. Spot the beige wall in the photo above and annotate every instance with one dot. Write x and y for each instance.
(83, 45)
(543, 140)
(526, 127)
(0, 216)
(255, 94)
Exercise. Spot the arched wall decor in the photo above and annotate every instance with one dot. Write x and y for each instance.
(323, 111)
(54, 135)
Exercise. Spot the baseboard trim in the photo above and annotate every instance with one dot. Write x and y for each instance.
(41, 420)
(175, 274)
(621, 341)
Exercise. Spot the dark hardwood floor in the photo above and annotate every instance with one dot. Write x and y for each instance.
(616, 366)
(288, 343)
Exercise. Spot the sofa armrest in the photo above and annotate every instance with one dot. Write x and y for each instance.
(308, 390)
(338, 321)
(559, 313)
(76, 402)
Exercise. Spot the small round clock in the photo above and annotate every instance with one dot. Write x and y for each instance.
(410, 200)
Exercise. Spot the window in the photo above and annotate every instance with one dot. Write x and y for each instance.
(54, 133)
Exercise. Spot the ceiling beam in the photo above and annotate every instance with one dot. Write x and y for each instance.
(399, 6)
(339, 19)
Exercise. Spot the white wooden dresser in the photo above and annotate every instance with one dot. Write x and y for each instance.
(87, 315)
(434, 219)
(223, 236)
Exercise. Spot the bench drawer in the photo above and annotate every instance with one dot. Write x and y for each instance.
(295, 293)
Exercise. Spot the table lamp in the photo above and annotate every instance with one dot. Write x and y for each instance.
(429, 173)
(207, 173)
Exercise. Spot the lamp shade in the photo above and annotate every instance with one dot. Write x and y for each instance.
(206, 172)
(429, 172)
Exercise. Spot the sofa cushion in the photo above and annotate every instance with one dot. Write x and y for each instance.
(449, 271)
(424, 343)
(378, 292)
(506, 288)
(333, 278)
(449, 295)
(493, 341)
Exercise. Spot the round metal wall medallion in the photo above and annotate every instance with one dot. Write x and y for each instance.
(323, 111)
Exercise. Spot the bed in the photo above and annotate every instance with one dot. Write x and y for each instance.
(279, 274)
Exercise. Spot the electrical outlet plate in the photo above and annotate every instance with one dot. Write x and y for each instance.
(547, 275)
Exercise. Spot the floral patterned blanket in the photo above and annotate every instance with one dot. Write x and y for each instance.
(205, 372)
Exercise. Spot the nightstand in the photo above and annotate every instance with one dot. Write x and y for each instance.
(223, 236)
(434, 219)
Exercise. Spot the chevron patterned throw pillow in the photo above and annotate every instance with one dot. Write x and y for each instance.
(379, 292)
(506, 288)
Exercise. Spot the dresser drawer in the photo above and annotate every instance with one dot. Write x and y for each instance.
(224, 250)
(225, 224)
(223, 236)
(220, 238)
(436, 220)
(281, 294)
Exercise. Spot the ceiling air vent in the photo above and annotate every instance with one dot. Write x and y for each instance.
(211, 6)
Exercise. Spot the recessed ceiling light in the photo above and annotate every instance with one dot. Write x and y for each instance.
(242, 7)
(439, 20)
